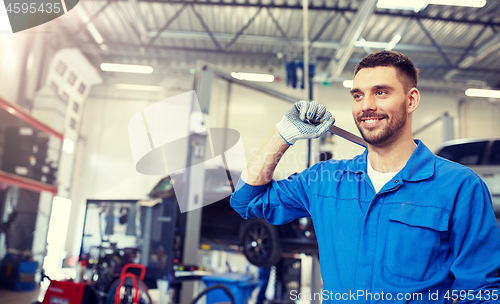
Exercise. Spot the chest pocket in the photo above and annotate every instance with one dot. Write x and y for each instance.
(414, 240)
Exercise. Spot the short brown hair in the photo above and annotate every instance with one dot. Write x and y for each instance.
(404, 66)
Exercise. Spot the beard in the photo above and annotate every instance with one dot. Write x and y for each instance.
(385, 134)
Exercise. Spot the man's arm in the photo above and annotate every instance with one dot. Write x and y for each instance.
(475, 243)
(261, 168)
(257, 194)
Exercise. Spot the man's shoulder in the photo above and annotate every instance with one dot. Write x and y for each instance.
(445, 167)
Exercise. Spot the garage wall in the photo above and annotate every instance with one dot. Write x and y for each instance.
(480, 118)
(13, 50)
(104, 166)
(104, 162)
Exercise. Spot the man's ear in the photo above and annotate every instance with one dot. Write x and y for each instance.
(413, 100)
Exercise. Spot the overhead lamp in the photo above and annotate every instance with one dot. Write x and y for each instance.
(418, 5)
(468, 3)
(253, 77)
(126, 68)
(393, 42)
(90, 26)
(95, 34)
(347, 84)
(138, 87)
(482, 93)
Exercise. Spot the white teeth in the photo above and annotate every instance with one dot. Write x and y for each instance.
(371, 120)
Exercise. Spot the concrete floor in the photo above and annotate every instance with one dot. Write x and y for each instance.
(18, 297)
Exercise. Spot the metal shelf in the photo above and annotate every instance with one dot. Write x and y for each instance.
(14, 111)
(26, 183)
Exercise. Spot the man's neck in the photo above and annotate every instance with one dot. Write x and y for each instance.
(393, 157)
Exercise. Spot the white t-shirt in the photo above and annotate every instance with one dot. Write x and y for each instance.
(379, 179)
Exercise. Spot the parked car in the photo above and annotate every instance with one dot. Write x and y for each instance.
(223, 228)
(482, 156)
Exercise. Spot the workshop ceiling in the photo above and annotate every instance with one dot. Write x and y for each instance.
(447, 43)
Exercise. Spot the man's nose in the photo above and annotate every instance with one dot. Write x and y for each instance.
(369, 104)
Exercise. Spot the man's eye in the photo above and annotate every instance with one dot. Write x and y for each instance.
(380, 93)
(356, 96)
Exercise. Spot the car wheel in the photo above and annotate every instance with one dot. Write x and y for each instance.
(260, 244)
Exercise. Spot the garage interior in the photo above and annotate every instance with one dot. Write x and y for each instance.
(75, 204)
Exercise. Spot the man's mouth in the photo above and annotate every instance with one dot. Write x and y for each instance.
(371, 122)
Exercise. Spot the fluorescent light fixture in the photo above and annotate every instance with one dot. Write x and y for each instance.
(11, 111)
(137, 87)
(482, 93)
(415, 5)
(90, 27)
(468, 3)
(93, 31)
(418, 5)
(68, 146)
(253, 77)
(347, 84)
(393, 42)
(126, 68)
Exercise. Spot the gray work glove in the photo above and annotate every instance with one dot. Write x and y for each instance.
(304, 120)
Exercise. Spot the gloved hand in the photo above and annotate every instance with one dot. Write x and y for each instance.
(304, 120)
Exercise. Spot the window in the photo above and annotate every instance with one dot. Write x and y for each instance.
(54, 86)
(72, 123)
(61, 68)
(494, 158)
(72, 78)
(467, 154)
(76, 106)
(82, 88)
(65, 97)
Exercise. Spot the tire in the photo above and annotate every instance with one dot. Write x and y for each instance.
(260, 243)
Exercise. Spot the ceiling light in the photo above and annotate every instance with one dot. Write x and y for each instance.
(126, 68)
(482, 93)
(415, 5)
(93, 31)
(469, 3)
(68, 146)
(393, 42)
(90, 26)
(347, 84)
(253, 77)
(418, 5)
(137, 87)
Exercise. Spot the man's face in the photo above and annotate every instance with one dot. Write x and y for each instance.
(380, 107)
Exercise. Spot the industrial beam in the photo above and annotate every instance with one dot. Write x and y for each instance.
(322, 7)
(298, 43)
(242, 29)
(434, 42)
(137, 17)
(160, 52)
(91, 19)
(465, 54)
(281, 30)
(487, 48)
(351, 35)
(205, 27)
(166, 25)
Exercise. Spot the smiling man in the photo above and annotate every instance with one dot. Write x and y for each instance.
(395, 223)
